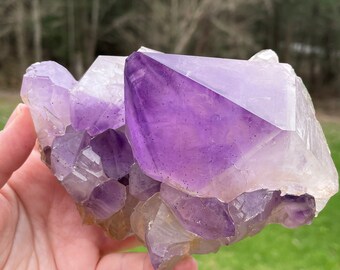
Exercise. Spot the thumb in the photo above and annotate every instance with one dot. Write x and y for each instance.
(16, 142)
(138, 261)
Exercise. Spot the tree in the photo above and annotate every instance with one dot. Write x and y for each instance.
(20, 34)
(304, 33)
(36, 30)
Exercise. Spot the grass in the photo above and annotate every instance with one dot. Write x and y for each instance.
(309, 247)
(8, 102)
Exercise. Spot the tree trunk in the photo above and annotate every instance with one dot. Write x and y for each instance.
(288, 32)
(276, 27)
(36, 30)
(20, 35)
(192, 26)
(313, 45)
(328, 73)
(71, 34)
(92, 41)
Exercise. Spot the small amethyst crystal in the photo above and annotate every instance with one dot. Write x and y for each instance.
(187, 153)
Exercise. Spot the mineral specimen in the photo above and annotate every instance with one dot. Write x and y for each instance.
(188, 153)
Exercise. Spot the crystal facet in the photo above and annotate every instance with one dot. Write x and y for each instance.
(187, 153)
(207, 217)
(46, 89)
(142, 186)
(97, 101)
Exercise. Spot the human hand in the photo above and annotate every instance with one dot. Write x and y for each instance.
(40, 227)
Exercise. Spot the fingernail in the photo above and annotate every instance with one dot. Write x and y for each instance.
(188, 263)
(17, 111)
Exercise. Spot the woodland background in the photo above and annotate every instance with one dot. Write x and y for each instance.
(305, 33)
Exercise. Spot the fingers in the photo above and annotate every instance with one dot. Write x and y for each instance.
(16, 142)
(108, 245)
(138, 261)
(188, 263)
(120, 261)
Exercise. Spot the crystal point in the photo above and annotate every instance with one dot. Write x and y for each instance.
(106, 199)
(271, 100)
(114, 151)
(168, 128)
(97, 101)
(46, 89)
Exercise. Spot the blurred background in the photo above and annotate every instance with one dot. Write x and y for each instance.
(304, 33)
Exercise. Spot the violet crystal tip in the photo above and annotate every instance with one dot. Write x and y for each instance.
(188, 153)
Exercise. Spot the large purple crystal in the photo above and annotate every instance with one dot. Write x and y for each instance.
(187, 153)
(171, 125)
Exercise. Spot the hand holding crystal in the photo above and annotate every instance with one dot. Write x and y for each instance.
(40, 227)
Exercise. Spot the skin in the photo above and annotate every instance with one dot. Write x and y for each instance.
(40, 227)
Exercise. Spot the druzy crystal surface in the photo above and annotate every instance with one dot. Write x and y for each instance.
(187, 153)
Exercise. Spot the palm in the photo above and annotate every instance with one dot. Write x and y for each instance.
(42, 222)
(39, 223)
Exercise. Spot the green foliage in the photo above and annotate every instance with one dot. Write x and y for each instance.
(7, 105)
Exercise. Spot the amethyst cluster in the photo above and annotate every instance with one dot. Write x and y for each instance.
(188, 153)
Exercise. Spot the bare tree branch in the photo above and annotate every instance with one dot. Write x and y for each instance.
(20, 34)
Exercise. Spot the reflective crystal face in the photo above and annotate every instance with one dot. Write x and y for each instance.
(97, 101)
(187, 153)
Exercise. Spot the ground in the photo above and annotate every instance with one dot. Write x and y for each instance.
(310, 247)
